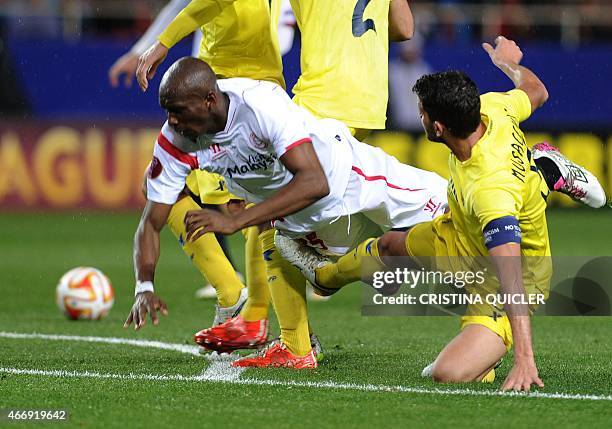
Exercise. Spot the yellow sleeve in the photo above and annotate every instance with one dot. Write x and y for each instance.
(502, 198)
(515, 101)
(518, 103)
(195, 14)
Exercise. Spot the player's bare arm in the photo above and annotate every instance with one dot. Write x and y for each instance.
(309, 184)
(126, 64)
(524, 373)
(146, 255)
(194, 15)
(507, 57)
(125, 67)
(401, 21)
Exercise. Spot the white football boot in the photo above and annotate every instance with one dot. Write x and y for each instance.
(224, 313)
(576, 181)
(305, 258)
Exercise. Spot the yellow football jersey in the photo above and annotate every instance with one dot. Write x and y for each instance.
(240, 37)
(344, 60)
(500, 179)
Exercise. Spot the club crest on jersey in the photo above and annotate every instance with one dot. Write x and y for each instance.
(257, 142)
(155, 168)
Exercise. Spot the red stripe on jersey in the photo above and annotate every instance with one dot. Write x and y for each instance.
(391, 185)
(185, 158)
(297, 143)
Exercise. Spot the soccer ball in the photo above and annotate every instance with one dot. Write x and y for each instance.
(85, 293)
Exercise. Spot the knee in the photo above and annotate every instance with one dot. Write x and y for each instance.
(445, 373)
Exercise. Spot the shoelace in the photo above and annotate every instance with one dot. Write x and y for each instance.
(572, 188)
(577, 192)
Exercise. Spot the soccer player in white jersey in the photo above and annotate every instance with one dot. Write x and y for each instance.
(310, 177)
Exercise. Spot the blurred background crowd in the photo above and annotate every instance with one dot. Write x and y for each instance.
(112, 25)
(56, 103)
(570, 22)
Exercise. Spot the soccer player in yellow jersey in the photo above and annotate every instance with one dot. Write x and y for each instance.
(345, 44)
(497, 209)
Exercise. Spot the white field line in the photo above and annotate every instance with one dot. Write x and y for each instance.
(182, 348)
(307, 384)
(220, 371)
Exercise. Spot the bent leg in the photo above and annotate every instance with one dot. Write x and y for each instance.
(472, 354)
(206, 255)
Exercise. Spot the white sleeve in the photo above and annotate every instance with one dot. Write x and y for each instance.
(165, 17)
(168, 170)
(281, 121)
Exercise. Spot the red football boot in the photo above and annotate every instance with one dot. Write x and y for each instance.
(276, 355)
(234, 334)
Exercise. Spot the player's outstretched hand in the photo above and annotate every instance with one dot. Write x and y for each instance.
(505, 51)
(125, 65)
(148, 63)
(522, 376)
(146, 302)
(199, 222)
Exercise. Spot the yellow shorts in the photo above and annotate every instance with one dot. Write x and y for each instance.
(209, 187)
(437, 239)
(500, 325)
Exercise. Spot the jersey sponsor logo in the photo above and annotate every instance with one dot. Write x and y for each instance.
(258, 142)
(155, 169)
(361, 27)
(254, 163)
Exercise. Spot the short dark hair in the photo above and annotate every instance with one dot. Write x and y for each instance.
(451, 98)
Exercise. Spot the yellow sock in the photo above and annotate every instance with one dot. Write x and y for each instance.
(206, 255)
(256, 308)
(288, 290)
(350, 267)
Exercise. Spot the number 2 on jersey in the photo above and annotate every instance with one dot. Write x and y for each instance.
(360, 27)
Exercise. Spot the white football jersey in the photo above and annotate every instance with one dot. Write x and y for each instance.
(262, 125)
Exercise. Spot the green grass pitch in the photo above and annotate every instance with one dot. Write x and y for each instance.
(574, 354)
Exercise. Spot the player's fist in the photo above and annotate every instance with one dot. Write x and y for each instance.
(125, 65)
(145, 302)
(505, 51)
(148, 63)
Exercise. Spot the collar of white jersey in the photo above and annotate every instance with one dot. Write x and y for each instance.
(231, 109)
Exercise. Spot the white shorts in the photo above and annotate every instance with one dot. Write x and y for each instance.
(382, 194)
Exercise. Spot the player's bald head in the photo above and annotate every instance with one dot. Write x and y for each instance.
(187, 77)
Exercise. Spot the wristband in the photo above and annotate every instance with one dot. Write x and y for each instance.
(143, 287)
